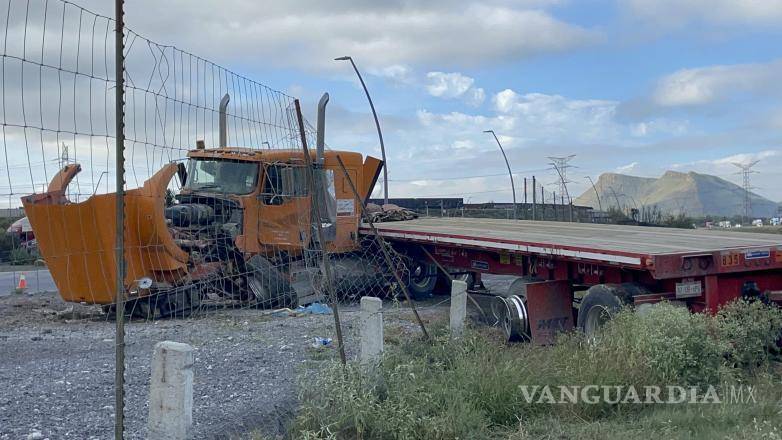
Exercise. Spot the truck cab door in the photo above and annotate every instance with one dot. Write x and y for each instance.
(284, 219)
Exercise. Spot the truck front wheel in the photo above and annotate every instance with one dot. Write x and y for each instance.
(269, 288)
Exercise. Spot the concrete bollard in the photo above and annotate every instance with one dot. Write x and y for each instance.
(371, 327)
(171, 391)
(458, 307)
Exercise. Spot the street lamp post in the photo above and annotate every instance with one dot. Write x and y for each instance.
(599, 204)
(510, 173)
(377, 124)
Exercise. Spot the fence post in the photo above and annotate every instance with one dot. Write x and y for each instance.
(171, 391)
(458, 307)
(371, 328)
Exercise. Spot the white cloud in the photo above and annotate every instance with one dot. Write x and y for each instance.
(658, 126)
(705, 85)
(448, 85)
(679, 13)
(743, 158)
(629, 168)
(476, 97)
(397, 74)
(309, 33)
(454, 85)
(558, 116)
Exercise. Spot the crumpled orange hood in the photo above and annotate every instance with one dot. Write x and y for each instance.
(77, 239)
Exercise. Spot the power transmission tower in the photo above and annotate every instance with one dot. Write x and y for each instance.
(746, 170)
(561, 165)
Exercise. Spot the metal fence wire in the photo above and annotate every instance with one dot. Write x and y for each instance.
(218, 208)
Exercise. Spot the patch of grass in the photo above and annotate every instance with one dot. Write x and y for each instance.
(470, 388)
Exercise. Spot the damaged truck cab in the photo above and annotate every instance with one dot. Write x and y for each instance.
(239, 228)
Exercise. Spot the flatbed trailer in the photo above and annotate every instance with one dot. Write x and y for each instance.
(702, 269)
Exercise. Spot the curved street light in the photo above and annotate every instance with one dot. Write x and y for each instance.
(510, 173)
(377, 124)
(600, 205)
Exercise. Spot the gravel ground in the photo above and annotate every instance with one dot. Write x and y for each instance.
(57, 375)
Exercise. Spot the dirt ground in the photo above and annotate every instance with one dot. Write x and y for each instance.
(57, 365)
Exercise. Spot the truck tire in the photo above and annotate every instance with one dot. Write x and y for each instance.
(444, 282)
(423, 278)
(268, 288)
(600, 304)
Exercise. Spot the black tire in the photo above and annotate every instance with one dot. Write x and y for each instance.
(268, 288)
(600, 304)
(423, 278)
(444, 282)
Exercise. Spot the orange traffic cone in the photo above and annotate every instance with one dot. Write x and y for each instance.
(22, 284)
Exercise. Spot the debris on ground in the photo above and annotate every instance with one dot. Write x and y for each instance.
(389, 213)
(310, 309)
(321, 343)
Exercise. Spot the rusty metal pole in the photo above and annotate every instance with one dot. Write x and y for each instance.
(319, 230)
(119, 251)
(383, 249)
(534, 197)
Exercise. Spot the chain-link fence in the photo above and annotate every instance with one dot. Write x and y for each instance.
(233, 211)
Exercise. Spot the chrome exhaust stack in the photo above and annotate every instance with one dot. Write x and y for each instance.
(223, 120)
(320, 141)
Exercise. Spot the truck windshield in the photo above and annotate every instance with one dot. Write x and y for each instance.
(221, 176)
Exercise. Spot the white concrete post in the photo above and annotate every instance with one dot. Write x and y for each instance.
(458, 307)
(171, 391)
(371, 327)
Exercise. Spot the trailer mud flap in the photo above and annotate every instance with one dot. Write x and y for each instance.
(550, 306)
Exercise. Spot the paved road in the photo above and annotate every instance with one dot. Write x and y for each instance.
(38, 280)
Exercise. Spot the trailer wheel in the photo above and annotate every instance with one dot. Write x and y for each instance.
(511, 313)
(444, 282)
(268, 286)
(600, 304)
(423, 278)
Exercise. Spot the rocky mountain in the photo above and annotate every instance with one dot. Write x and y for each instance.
(690, 193)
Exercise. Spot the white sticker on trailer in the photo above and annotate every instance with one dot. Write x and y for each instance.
(346, 206)
(689, 289)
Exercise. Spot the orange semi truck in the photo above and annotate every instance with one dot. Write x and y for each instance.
(240, 228)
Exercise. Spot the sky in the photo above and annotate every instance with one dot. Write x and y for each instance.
(636, 86)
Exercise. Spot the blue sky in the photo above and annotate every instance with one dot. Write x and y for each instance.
(636, 86)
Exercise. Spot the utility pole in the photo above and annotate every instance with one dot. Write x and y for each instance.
(534, 197)
(510, 173)
(746, 170)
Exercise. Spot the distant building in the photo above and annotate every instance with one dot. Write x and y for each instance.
(11, 212)
(422, 203)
